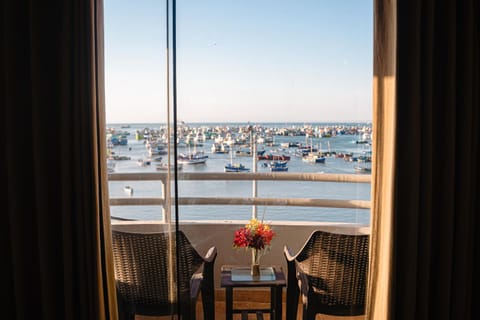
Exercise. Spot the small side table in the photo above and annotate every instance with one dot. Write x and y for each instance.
(272, 277)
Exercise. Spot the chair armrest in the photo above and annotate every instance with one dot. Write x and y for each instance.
(288, 254)
(209, 262)
(291, 267)
(210, 255)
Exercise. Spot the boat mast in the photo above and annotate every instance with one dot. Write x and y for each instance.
(254, 169)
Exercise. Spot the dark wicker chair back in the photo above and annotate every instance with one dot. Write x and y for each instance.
(142, 274)
(330, 272)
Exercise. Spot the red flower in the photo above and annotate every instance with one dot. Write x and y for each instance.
(255, 234)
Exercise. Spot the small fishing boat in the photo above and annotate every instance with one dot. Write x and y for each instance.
(276, 166)
(119, 140)
(157, 150)
(165, 167)
(278, 169)
(143, 163)
(192, 158)
(235, 167)
(277, 157)
(119, 158)
(110, 166)
(243, 153)
(314, 158)
(157, 159)
(195, 157)
(220, 148)
(359, 169)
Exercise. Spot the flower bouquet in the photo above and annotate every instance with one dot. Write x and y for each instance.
(257, 236)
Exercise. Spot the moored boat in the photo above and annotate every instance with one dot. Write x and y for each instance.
(314, 158)
(274, 157)
(277, 169)
(359, 169)
(119, 158)
(143, 163)
(235, 167)
(128, 190)
(243, 153)
(276, 166)
(220, 148)
(192, 158)
(164, 167)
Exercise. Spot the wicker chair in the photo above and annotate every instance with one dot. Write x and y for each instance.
(142, 276)
(330, 272)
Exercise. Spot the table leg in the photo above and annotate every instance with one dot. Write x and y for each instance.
(229, 303)
(273, 303)
(276, 302)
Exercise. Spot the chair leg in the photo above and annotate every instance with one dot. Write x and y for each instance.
(292, 304)
(292, 293)
(208, 292)
(188, 311)
(308, 313)
(208, 303)
(124, 309)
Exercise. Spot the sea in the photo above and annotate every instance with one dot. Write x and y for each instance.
(338, 143)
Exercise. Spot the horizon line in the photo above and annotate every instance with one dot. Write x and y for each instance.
(251, 122)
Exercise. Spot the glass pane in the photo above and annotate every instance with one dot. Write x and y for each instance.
(275, 110)
(139, 120)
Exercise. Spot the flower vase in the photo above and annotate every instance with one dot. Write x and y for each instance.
(255, 267)
(255, 272)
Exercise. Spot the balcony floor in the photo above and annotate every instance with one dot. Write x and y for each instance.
(243, 300)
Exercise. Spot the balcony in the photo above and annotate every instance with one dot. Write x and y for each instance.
(205, 233)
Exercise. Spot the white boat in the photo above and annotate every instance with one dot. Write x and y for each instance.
(260, 140)
(359, 169)
(143, 163)
(119, 158)
(314, 158)
(220, 148)
(110, 166)
(192, 158)
(128, 190)
(165, 167)
(156, 150)
(200, 137)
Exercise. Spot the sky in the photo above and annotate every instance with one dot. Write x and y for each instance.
(241, 60)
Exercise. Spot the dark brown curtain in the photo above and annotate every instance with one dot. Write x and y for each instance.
(436, 222)
(54, 219)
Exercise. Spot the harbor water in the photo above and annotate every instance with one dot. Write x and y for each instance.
(332, 145)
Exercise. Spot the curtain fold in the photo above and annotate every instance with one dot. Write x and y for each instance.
(384, 122)
(436, 213)
(55, 225)
(435, 228)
